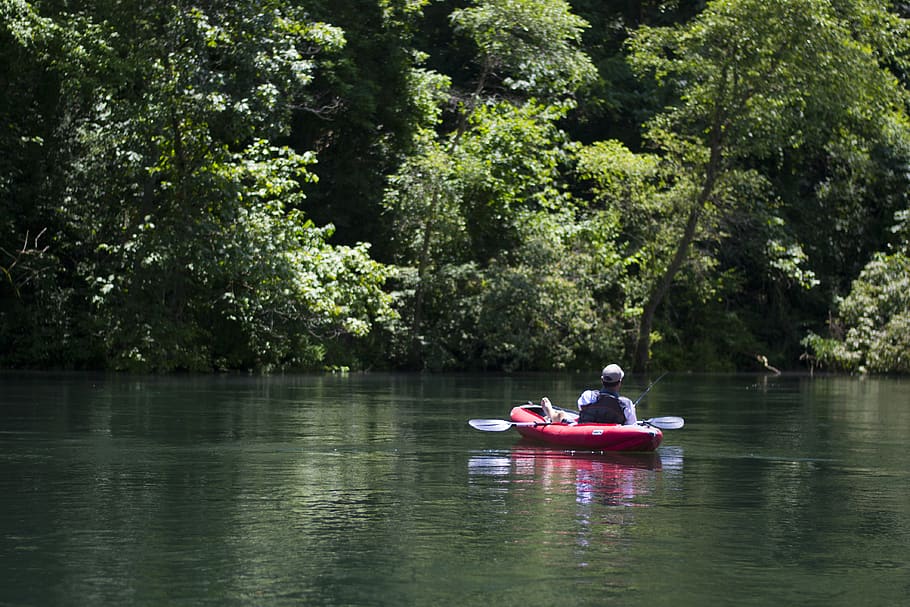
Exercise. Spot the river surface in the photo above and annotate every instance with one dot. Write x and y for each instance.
(372, 490)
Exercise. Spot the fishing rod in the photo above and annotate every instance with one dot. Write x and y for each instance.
(648, 389)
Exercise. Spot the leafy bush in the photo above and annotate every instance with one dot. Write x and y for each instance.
(871, 333)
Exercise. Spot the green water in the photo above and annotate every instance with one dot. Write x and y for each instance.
(373, 490)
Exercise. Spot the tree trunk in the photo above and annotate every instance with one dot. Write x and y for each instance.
(643, 345)
(423, 265)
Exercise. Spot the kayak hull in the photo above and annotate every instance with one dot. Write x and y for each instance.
(601, 437)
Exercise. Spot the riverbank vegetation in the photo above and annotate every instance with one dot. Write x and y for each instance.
(454, 184)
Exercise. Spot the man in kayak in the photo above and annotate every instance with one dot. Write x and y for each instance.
(604, 406)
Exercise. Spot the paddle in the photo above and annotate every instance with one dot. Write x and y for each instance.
(668, 422)
(499, 425)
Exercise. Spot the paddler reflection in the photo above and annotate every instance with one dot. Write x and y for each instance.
(609, 487)
(608, 478)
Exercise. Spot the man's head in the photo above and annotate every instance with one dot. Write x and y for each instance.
(611, 376)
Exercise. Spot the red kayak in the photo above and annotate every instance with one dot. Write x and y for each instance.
(530, 423)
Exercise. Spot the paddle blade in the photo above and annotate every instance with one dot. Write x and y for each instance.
(490, 425)
(669, 422)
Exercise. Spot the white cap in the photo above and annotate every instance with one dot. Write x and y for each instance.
(612, 374)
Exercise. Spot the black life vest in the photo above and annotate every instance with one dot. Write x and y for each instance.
(605, 410)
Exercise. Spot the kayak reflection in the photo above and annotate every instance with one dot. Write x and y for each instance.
(608, 478)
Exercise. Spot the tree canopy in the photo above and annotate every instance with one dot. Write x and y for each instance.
(481, 184)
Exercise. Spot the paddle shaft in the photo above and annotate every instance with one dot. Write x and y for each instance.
(500, 425)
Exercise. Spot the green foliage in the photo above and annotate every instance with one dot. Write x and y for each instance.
(460, 202)
(529, 46)
(544, 305)
(160, 207)
(760, 75)
(871, 332)
(251, 284)
(424, 200)
(508, 162)
(367, 100)
(620, 175)
(549, 307)
(754, 82)
(759, 78)
(181, 214)
(33, 287)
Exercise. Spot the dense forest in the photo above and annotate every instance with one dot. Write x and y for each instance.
(455, 185)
